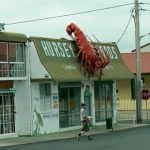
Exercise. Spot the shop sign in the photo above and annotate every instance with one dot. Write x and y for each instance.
(64, 49)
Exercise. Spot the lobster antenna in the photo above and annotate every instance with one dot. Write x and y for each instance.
(89, 38)
(99, 43)
(96, 38)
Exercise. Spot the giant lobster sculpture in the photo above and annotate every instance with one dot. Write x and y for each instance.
(90, 57)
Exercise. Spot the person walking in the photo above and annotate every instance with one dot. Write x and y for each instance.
(85, 119)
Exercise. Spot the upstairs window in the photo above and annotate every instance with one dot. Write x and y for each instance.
(12, 59)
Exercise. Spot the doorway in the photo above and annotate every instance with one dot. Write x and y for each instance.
(69, 106)
(103, 94)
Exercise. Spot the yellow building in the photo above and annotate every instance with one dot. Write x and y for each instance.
(126, 88)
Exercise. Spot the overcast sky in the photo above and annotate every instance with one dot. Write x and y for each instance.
(107, 25)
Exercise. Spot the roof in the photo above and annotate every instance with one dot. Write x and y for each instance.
(130, 60)
(12, 37)
(58, 58)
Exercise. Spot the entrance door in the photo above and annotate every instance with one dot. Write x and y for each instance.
(7, 122)
(69, 106)
(103, 91)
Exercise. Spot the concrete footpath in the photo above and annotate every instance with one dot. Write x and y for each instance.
(64, 135)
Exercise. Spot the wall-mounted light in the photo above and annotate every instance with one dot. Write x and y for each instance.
(46, 75)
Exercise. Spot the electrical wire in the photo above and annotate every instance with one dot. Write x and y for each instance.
(125, 28)
(67, 15)
(146, 3)
(146, 9)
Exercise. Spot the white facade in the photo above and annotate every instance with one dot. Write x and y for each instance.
(30, 118)
(22, 108)
(37, 70)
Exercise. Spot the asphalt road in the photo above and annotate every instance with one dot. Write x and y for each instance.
(131, 139)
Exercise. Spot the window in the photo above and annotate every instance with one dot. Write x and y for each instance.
(7, 116)
(133, 87)
(12, 59)
(3, 52)
(45, 96)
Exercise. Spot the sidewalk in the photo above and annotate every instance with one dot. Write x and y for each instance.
(64, 135)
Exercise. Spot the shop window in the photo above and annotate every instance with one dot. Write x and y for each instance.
(133, 87)
(45, 96)
(12, 59)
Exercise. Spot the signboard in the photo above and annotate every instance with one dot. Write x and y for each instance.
(145, 94)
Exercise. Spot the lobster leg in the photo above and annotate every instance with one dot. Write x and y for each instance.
(85, 66)
(80, 51)
(83, 54)
(91, 71)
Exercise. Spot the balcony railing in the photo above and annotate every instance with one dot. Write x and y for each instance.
(12, 69)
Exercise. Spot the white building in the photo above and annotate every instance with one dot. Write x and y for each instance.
(48, 86)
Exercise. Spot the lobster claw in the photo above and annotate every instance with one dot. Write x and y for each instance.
(69, 31)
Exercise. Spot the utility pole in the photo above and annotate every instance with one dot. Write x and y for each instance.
(138, 65)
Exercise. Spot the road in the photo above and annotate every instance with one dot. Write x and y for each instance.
(131, 139)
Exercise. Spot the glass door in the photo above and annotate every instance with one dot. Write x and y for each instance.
(103, 100)
(69, 106)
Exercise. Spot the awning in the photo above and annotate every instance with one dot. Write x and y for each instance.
(12, 37)
(58, 57)
(11, 90)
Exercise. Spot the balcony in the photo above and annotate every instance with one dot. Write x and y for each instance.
(12, 70)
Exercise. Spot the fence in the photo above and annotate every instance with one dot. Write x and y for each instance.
(126, 111)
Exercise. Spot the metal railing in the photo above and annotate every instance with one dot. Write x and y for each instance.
(69, 120)
(101, 115)
(12, 69)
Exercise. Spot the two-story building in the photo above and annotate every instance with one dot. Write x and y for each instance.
(14, 85)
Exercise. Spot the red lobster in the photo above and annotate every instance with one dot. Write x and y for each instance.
(87, 54)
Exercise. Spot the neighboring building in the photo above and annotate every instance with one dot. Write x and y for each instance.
(42, 85)
(14, 77)
(126, 88)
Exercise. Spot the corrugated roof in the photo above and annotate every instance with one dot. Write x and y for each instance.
(130, 60)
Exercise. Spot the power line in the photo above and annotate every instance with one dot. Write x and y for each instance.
(146, 9)
(125, 28)
(67, 15)
(146, 3)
